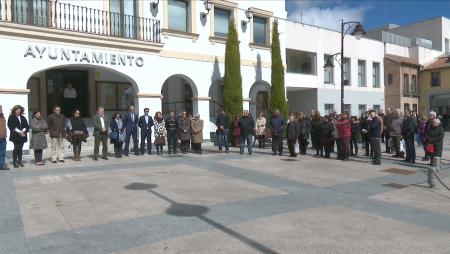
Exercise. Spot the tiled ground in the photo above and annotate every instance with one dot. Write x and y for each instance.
(218, 203)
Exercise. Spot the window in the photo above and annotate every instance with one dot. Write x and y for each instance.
(435, 78)
(414, 88)
(405, 85)
(22, 13)
(178, 15)
(377, 108)
(347, 71)
(329, 108)
(362, 108)
(123, 18)
(447, 45)
(406, 107)
(390, 79)
(415, 108)
(114, 96)
(221, 20)
(301, 62)
(260, 30)
(348, 108)
(376, 74)
(361, 73)
(328, 75)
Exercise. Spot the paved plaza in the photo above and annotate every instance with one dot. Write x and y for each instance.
(224, 203)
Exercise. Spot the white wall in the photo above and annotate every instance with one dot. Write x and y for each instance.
(397, 50)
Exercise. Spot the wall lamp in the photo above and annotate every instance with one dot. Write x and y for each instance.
(249, 15)
(208, 6)
(154, 4)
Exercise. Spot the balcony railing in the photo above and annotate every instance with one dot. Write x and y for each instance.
(64, 16)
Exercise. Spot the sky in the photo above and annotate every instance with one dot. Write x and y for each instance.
(372, 13)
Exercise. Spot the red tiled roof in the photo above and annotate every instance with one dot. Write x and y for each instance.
(401, 59)
(438, 63)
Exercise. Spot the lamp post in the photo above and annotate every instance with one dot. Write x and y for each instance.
(358, 32)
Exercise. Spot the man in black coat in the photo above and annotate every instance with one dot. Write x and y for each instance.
(409, 129)
(146, 124)
(223, 126)
(247, 126)
(277, 125)
(171, 127)
(374, 134)
(130, 121)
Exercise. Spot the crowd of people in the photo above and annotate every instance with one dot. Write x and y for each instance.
(340, 133)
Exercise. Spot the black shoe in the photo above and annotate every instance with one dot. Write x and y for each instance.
(137, 154)
(54, 162)
(376, 163)
(95, 159)
(62, 161)
(105, 158)
(150, 153)
(16, 165)
(21, 164)
(280, 154)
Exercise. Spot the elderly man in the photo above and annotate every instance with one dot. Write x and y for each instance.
(197, 133)
(409, 130)
(374, 131)
(387, 123)
(57, 129)
(184, 131)
(247, 127)
(395, 132)
(101, 124)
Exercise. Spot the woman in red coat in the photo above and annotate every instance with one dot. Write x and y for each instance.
(344, 127)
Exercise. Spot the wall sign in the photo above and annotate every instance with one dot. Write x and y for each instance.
(83, 56)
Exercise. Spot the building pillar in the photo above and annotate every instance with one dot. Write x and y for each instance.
(201, 106)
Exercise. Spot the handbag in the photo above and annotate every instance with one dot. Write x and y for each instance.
(430, 148)
(78, 133)
(267, 133)
(297, 148)
(114, 136)
(402, 146)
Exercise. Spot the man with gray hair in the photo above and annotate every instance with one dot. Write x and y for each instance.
(101, 125)
(3, 141)
(395, 132)
(409, 129)
(247, 126)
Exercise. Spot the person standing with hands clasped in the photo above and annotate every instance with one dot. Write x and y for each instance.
(146, 124)
(277, 124)
(130, 121)
(18, 127)
(101, 133)
(374, 133)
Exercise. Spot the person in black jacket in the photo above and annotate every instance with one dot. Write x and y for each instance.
(292, 135)
(374, 134)
(223, 127)
(326, 137)
(77, 133)
(247, 127)
(304, 127)
(409, 129)
(146, 123)
(171, 127)
(18, 127)
(277, 125)
(354, 139)
(316, 133)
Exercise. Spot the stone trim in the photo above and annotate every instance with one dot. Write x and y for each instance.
(150, 95)
(200, 98)
(167, 33)
(14, 91)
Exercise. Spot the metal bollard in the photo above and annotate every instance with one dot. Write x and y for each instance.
(435, 166)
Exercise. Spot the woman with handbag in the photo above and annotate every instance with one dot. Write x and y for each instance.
(77, 133)
(159, 126)
(38, 140)
(260, 127)
(292, 135)
(326, 137)
(18, 127)
(116, 126)
(434, 139)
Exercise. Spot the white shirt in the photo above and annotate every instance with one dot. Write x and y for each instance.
(70, 93)
(146, 119)
(102, 122)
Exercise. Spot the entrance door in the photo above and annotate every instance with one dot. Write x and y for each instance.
(57, 81)
(262, 103)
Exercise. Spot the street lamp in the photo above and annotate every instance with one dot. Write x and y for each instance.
(208, 6)
(358, 32)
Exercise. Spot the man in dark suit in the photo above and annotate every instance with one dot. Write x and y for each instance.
(146, 124)
(130, 121)
(101, 124)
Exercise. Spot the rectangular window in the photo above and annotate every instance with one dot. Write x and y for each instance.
(435, 78)
(361, 73)
(377, 108)
(414, 88)
(329, 108)
(390, 79)
(347, 71)
(301, 62)
(415, 108)
(328, 75)
(362, 108)
(447, 45)
(348, 108)
(178, 15)
(406, 106)
(29, 11)
(260, 31)
(122, 18)
(376, 75)
(221, 20)
(405, 85)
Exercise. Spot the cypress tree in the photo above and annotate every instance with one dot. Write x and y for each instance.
(278, 94)
(232, 101)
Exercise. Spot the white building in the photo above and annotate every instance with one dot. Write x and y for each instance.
(310, 87)
(165, 55)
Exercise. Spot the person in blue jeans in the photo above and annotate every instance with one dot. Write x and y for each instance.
(3, 165)
(247, 127)
(223, 127)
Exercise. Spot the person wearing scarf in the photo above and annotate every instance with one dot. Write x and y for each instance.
(160, 131)
(18, 127)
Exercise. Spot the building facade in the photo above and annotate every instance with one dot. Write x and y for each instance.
(435, 85)
(164, 55)
(310, 87)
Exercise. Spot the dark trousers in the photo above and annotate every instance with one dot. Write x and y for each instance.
(261, 141)
(128, 135)
(146, 135)
(159, 149)
(344, 146)
(37, 155)
(366, 141)
(184, 146)
(303, 143)
(386, 140)
(277, 144)
(2, 152)
(326, 148)
(410, 148)
(396, 141)
(223, 139)
(376, 148)
(102, 138)
(339, 148)
(118, 150)
(172, 141)
(248, 139)
(291, 147)
(354, 144)
(17, 152)
(197, 147)
(76, 143)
